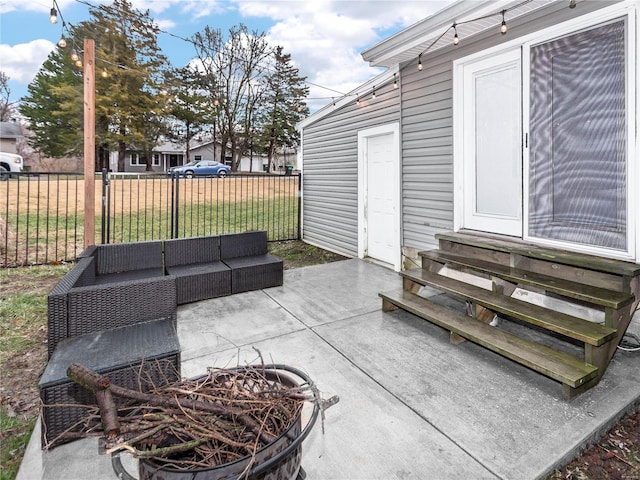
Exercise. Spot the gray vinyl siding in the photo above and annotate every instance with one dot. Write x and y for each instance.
(427, 126)
(330, 145)
(330, 170)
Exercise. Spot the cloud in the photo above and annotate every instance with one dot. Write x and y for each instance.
(7, 6)
(195, 8)
(21, 62)
(325, 38)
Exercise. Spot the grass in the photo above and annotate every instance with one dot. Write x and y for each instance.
(15, 435)
(23, 313)
(46, 226)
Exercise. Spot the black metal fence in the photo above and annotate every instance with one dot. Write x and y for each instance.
(42, 214)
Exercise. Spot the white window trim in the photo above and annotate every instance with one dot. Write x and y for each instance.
(393, 128)
(626, 9)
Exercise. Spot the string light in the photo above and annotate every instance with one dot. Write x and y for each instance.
(373, 94)
(53, 16)
(503, 26)
(75, 57)
(104, 73)
(395, 81)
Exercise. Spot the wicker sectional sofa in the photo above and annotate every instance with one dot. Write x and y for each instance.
(119, 292)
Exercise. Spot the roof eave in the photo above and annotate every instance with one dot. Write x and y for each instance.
(384, 53)
(377, 81)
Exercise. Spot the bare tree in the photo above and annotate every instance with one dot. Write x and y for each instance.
(230, 67)
(6, 109)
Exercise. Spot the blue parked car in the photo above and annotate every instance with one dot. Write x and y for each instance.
(200, 168)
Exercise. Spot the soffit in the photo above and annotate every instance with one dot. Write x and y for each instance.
(414, 40)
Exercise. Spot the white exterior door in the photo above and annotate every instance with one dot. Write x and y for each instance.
(492, 144)
(379, 204)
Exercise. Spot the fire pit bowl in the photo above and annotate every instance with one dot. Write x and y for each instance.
(278, 460)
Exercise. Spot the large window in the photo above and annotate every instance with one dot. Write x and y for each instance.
(578, 151)
(137, 159)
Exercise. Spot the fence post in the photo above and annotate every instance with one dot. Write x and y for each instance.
(106, 220)
(175, 204)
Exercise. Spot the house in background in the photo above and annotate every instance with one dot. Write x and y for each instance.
(531, 134)
(203, 149)
(164, 156)
(171, 154)
(10, 132)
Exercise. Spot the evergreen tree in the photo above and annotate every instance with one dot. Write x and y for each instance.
(53, 105)
(189, 105)
(285, 91)
(126, 44)
(128, 53)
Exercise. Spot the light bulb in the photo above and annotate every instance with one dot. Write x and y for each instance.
(420, 62)
(53, 16)
(503, 27)
(373, 95)
(104, 74)
(62, 42)
(78, 63)
(456, 40)
(74, 55)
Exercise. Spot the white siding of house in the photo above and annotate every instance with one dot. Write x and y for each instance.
(330, 170)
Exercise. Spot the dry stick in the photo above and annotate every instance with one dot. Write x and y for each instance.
(99, 385)
(94, 381)
(108, 412)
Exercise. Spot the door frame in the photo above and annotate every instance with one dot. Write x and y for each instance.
(505, 224)
(627, 9)
(363, 188)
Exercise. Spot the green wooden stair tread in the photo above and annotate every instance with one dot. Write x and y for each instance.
(582, 260)
(567, 288)
(573, 327)
(555, 364)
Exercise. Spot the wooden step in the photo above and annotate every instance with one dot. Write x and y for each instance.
(560, 366)
(578, 291)
(572, 327)
(519, 247)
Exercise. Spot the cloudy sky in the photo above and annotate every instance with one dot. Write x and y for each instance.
(325, 38)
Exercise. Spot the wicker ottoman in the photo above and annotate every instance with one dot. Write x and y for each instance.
(138, 357)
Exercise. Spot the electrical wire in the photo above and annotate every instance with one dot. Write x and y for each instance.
(630, 342)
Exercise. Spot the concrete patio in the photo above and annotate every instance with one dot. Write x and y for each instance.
(412, 405)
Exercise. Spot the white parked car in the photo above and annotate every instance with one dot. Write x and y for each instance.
(10, 163)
